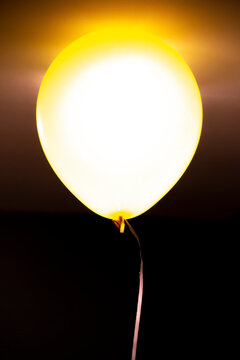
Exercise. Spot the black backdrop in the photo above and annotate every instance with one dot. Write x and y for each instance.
(69, 286)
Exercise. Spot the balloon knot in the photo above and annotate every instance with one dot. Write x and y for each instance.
(120, 224)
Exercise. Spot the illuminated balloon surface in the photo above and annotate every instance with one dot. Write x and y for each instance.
(119, 117)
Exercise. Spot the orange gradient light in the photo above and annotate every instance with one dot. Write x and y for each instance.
(119, 116)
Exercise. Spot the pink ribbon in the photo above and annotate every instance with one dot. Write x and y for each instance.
(140, 295)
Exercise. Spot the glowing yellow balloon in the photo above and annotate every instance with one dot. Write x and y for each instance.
(119, 117)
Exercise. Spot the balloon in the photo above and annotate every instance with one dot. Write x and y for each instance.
(119, 116)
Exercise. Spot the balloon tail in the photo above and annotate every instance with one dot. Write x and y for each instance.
(120, 225)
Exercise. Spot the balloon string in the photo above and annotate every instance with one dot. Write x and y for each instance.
(140, 295)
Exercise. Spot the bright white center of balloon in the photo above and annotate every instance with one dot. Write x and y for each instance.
(125, 101)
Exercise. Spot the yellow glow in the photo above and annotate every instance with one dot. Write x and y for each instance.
(119, 117)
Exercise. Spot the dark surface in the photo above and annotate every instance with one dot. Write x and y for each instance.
(69, 283)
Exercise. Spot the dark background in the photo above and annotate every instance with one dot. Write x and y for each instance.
(68, 279)
(69, 287)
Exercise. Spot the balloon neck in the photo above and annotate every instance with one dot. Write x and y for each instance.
(120, 224)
